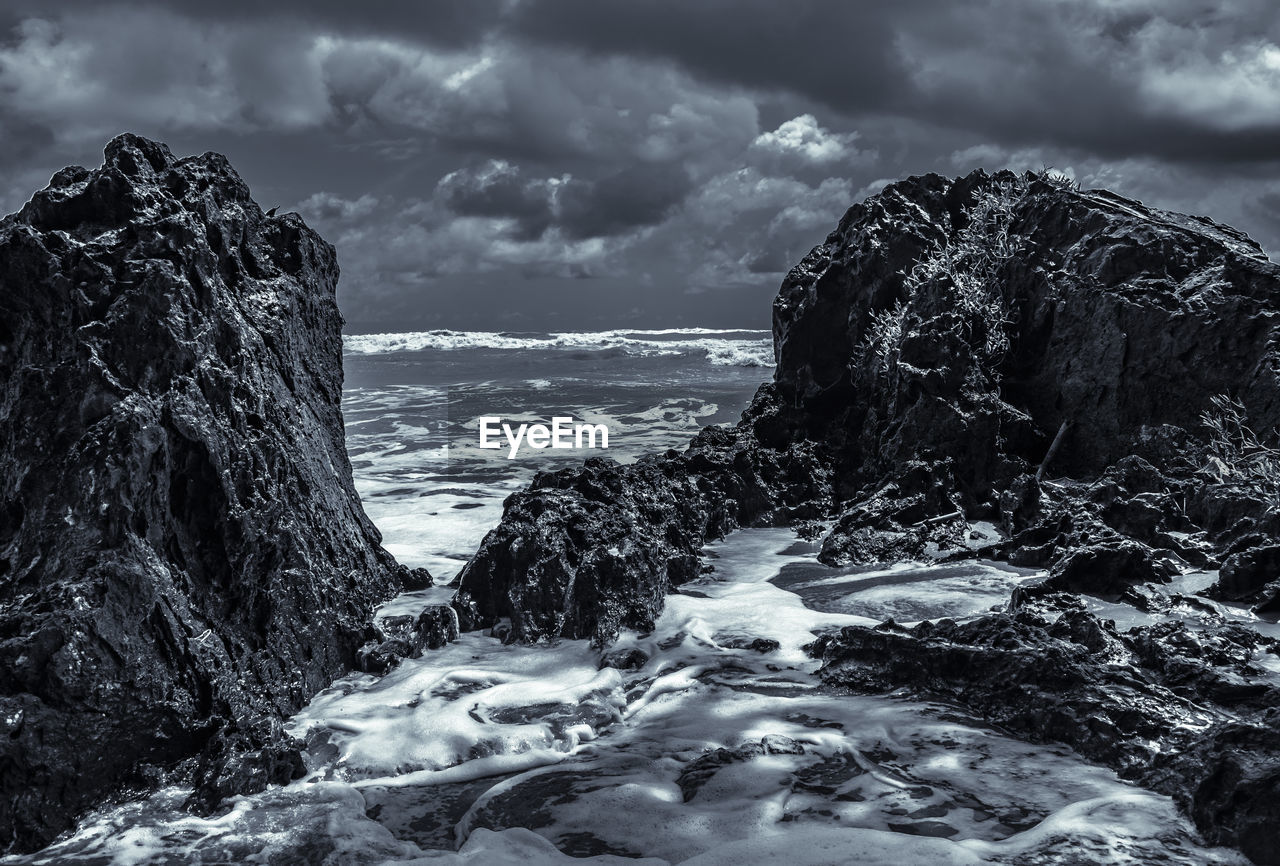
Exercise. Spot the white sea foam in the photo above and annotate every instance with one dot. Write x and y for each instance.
(480, 753)
(433, 503)
(735, 348)
(484, 753)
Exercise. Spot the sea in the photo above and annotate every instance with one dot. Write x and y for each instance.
(712, 752)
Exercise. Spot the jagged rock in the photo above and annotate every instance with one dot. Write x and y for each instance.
(1175, 710)
(181, 545)
(1252, 575)
(1228, 511)
(1107, 569)
(900, 520)
(1140, 516)
(436, 626)
(585, 552)
(407, 637)
(1138, 476)
(1126, 319)
(1236, 771)
(244, 758)
(853, 542)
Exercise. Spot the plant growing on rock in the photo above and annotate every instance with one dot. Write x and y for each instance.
(970, 268)
(1058, 180)
(1235, 452)
(884, 335)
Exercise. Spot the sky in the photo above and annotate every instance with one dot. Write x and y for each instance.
(591, 164)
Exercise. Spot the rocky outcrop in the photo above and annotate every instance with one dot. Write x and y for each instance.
(1173, 708)
(181, 546)
(585, 552)
(1116, 317)
(1097, 379)
(949, 343)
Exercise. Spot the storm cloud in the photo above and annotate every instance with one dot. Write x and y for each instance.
(590, 163)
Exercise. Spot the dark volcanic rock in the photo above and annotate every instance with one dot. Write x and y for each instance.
(245, 758)
(1122, 317)
(913, 510)
(1179, 711)
(930, 353)
(1251, 575)
(180, 541)
(1107, 569)
(585, 552)
(407, 637)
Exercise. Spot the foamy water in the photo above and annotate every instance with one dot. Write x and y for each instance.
(735, 348)
(710, 752)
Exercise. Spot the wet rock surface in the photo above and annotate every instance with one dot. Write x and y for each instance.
(181, 546)
(1179, 710)
(585, 552)
(1003, 367)
(407, 637)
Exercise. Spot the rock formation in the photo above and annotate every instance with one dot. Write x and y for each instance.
(1097, 379)
(585, 552)
(930, 354)
(1184, 711)
(182, 550)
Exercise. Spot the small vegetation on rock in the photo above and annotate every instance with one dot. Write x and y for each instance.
(1235, 452)
(970, 265)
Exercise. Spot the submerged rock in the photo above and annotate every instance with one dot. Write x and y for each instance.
(181, 545)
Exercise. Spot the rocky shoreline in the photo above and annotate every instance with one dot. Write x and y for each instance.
(184, 560)
(1080, 372)
(997, 366)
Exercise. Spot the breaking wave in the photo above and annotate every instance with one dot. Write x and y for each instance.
(721, 347)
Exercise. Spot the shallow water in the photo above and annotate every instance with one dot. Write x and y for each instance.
(412, 417)
(710, 752)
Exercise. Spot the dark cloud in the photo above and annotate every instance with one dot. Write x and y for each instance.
(841, 53)
(1263, 211)
(500, 190)
(448, 23)
(22, 139)
(636, 196)
(1173, 79)
(485, 162)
